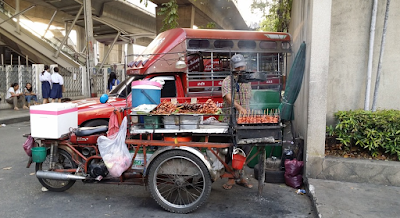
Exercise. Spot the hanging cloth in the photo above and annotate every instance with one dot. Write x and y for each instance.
(113, 124)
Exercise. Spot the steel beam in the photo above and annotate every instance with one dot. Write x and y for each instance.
(68, 32)
(51, 21)
(25, 10)
(109, 50)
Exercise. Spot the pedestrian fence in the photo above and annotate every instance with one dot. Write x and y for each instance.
(76, 82)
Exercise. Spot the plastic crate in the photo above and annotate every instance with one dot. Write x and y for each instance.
(151, 122)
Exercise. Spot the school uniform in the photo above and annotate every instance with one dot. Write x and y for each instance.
(56, 90)
(45, 78)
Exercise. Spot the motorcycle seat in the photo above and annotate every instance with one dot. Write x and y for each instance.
(85, 131)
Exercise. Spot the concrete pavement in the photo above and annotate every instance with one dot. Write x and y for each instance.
(334, 199)
(329, 198)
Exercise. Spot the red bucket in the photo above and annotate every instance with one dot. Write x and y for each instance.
(238, 158)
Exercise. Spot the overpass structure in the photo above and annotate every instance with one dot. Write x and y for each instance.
(114, 22)
(103, 28)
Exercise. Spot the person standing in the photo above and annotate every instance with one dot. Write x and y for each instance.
(242, 90)
(58, 82)
(241, 103)
(112, 81)
(29, 95)
(45, 78)
(14, 96)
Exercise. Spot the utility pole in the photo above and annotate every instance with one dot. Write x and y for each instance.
(89, 47)
(378, 73)
(370, 54)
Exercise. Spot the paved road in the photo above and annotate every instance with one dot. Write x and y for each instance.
(21, 194)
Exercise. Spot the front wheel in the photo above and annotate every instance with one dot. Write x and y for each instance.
(63, 161)
(179, 181)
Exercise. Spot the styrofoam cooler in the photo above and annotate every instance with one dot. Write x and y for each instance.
(52, 120)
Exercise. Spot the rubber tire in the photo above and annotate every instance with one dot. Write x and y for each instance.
(69, 183)
(271, 176)
(154, 190)
(93, 123)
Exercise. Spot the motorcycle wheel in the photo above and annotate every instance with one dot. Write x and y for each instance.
(179, 181)
(64, 161)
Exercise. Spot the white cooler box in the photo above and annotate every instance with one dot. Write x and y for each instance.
(52, 120)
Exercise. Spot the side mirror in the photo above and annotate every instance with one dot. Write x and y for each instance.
(103, 98)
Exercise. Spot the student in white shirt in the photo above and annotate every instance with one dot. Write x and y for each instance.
(56, 90)
(45, 78)
(14, 95)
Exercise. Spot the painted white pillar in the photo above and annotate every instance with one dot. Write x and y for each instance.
(37, 85)
(318, 52)
(85, 82)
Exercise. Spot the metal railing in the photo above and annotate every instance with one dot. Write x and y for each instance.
(54, 42)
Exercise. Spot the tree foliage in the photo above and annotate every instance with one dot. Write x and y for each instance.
(278, 18)
(170, 11)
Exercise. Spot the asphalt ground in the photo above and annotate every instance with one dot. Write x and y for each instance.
(22, 195)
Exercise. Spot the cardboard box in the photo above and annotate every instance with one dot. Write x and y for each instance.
(51, 121)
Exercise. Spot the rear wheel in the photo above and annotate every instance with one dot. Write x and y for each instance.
(179, 181)
(63, 161)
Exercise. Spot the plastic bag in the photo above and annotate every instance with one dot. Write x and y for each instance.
(114, 151)
(293, 173)
(211, 121)
(293, 167)
(294, 181)
(28, 144)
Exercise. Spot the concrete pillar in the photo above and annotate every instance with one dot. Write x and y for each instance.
(80, 38)
(130, 51)
(186, 17)
(90, 46)
(318, 53)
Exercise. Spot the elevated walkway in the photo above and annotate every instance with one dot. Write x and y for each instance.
(39, 50)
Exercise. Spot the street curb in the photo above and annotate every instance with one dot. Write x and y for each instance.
(310, 189)
(14, 120)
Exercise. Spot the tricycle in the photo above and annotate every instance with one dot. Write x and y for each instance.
(177, 160)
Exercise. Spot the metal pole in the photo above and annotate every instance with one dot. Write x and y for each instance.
(109, 50)
(18, 28)
(66, 27)
(51, 21)
(67, 33)
(18, 14)
(378, 74)
(261, 169)
(89, 45)
(370, 55)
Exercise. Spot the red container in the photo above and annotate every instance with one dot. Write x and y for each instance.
(238, 159)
